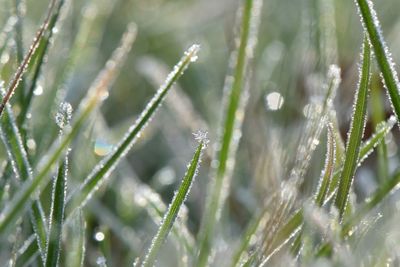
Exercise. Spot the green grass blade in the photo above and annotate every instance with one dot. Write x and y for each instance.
(177, 202)
(292, 226)
(381, 52)
(77, 245)
(234, 109)
(38, 58)
(96, 94)
(56, 217)
(12, 140)
(326, 178)
(355, 133)
(103, 169)
(25, 62)
(383, 191)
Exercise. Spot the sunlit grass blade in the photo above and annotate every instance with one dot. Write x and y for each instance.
(95, 95)
(235, 98)
(77, 246)
(24, 63)
(327, 173)
(38, 58)
(355, 133)
(176, 203)
(372, 27)
(103, 169)
(56, 217)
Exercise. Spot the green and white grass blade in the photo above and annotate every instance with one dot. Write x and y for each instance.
(25, 62)
(18, 159)
(293, 225)
(355, 133)
(96, 94)
(385, 62)
(103, 169)
(38, 59)
(56, 217)
(383, 191)
(176, 203)
(329, 168)
(76, 247)
(235, 98)
(324, 182)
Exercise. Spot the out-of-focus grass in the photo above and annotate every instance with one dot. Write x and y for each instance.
(265, 208)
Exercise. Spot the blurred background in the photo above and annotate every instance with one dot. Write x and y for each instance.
(297, 42)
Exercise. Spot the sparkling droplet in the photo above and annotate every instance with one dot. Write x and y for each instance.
(99, 236)
(274, 101)
(102, 148)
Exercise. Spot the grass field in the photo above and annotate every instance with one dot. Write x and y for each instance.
(199, 133)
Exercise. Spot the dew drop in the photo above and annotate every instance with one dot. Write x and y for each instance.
(99, 236)
(102, 148)
(31, 144)
(38, 90)
(274, 101)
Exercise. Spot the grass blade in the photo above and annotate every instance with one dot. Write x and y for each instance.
(293, 224)
(56, 217)
(326, 178)
(25, 62)
(355, 133)
(234, 109)
(12, 140)
(176, 203)
(372, 27)
(96, 94)
(77, 246)
(103, 169)
(38, 57)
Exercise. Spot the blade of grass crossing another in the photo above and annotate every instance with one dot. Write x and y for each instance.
(12, 140)
(292, 226)
(355, 133)
(177, 202)
(234, 108)
(38, 57)
(103, 169)
(96, 93)
(372, 26)
(25, 62)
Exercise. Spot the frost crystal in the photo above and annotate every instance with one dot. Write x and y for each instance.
(201, 137)
(64, 115)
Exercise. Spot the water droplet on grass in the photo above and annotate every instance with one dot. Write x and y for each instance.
(274, 101)
(102, 148)
(99, 236)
